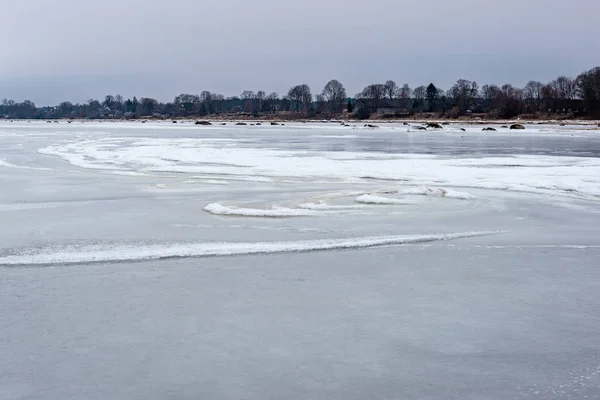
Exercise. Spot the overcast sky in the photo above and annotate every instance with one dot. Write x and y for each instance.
(54, 50)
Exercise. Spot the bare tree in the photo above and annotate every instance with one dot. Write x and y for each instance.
(272, 100)
(420, 93)
(374, 93)
(533, 94)
(119, 102)
(510, 101)
(66, 108)
(404, 94)
(550, 97)
(248, 96)
(108, 101)
(391, 90)
(206, 100)
(218, 100)
(260, 101)
(334, 93)
(301, 98)
(320, 103)
(588, 85)
(147, 106)
(464, 93)
(185, 104)
(490, 94)
(565, 87)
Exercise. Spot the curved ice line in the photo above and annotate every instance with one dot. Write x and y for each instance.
(87, 254)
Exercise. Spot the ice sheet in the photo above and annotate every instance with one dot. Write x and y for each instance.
(570, 176)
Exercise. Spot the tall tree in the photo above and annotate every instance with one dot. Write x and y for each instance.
(272, 100)
(490, 95)
(375, 93)
(185, 103)
(464, 93)
(334, 94)
(533, 94)
(588, 85)
(301, 98)
(433, 97)
(249, 97)
(260, 101)
(148, 106)
(108, 102)
(206, 100)
(391, 90)
(510, 101)
(65, 109)
(404, 94)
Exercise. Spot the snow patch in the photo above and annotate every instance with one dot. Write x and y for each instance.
(374, 199)
(325, 207)
(234, 160)
(218, 209)
(439, 192)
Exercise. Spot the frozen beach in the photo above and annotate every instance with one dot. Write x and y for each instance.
(310, 260)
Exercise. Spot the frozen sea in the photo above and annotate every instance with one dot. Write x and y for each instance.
(306, 261)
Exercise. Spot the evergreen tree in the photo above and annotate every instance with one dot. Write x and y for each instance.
(433, 97)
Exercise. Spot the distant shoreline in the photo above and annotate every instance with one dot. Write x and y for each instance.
(279, 121)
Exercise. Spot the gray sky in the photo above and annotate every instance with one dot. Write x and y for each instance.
(54, 50)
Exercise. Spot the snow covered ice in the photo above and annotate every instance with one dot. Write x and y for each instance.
(164, 260)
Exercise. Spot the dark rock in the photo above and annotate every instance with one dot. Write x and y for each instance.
(241, 124)
(463, 129)
(274, 123)
(434, 125)
(371, 126)
(504, 126)
(517, 126)
(419, 128)
(203, 123)
(258, 124)
(174, 122)
(489, 129)
(445, 123)
(223, 123)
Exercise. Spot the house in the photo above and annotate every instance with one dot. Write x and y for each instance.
(382, 107)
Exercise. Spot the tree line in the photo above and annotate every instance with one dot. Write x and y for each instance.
(575, 97)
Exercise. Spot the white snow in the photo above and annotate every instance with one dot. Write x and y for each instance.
(218, 209)
(571, 176)
(438, 192)
(137, 252)
(374, 199)
(321, 206)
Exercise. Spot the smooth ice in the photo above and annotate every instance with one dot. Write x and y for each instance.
(153, 261)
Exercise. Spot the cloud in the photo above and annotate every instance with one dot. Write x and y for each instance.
(71, 49)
